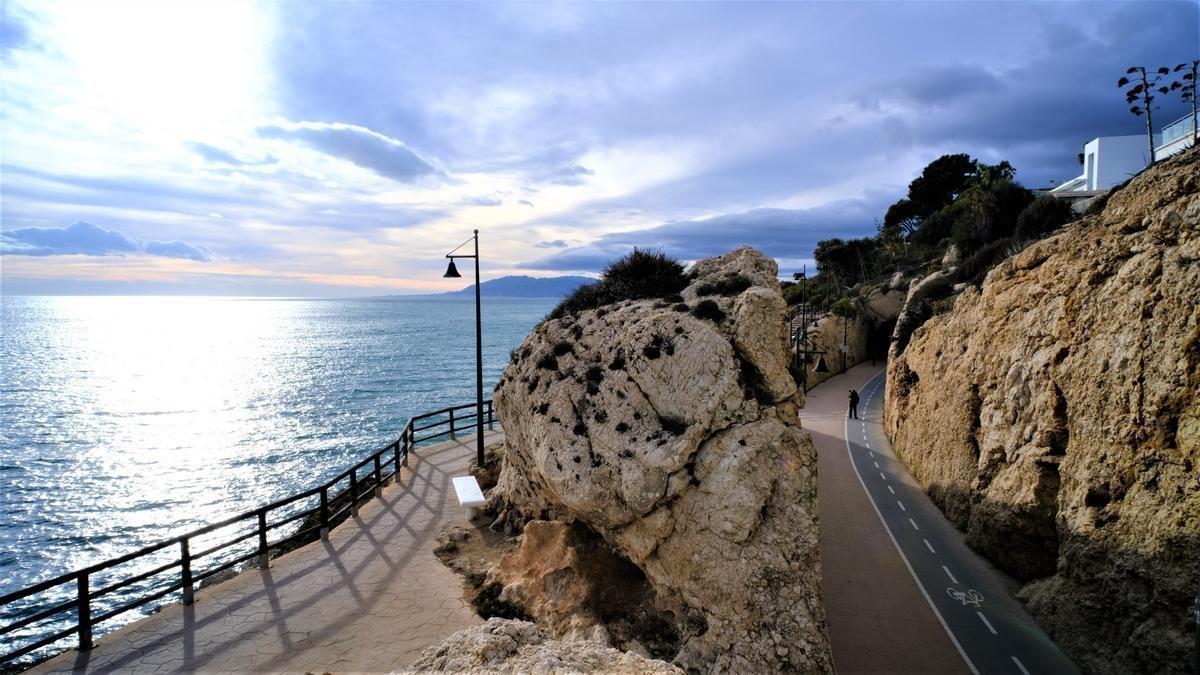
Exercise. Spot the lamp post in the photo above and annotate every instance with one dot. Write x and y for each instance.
(800, 339)
(452, 273)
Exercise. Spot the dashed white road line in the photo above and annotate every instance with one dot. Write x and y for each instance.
(916, 579)
(914, 524)
(876, 464)
(872, 454)
(902, 508)
(881, 474)
(929, 546)
(950, 574)
(1020, 666)
(891, 490)
(986, 622)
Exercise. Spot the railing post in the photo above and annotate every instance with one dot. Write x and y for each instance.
(491, 417)
(185, 563)
(354, 492)
(452, 434)
(408, 443)
(84, 608)
(378, 479)
(263, 561)
(324, 513)
(396, 447)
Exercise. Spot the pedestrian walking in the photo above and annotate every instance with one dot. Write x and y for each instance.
(853, 404)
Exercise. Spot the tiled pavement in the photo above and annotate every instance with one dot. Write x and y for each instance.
(368, 599)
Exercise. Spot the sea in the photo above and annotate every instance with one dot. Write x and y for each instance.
(127, 420)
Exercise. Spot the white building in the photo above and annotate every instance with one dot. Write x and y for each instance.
(1111, 160)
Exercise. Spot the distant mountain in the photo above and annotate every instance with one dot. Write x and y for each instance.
(523, 287)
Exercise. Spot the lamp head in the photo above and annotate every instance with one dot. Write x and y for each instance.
(820, 367)
(451, 272)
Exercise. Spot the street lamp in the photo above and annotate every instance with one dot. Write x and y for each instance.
(800, 339)
(452, 273)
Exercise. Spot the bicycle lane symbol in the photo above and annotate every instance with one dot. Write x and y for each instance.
(970, 597)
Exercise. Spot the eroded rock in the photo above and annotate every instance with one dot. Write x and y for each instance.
(1054, 414)
(507, 646)
(670, 429)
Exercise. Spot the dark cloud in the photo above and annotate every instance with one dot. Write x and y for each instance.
(943, 85)
(781, 233)
(557, 243)
(90, 239)
(371, 150)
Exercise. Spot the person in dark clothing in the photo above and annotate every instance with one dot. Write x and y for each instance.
(853, 404)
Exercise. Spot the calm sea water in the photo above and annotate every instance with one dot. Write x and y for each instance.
(124, 421)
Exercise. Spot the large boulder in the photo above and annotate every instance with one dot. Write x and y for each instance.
(1054, 414)
(670, 428)
(508, 646)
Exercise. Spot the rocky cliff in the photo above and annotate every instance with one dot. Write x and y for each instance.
(670, 429)
(1054, 414)
(507, 646)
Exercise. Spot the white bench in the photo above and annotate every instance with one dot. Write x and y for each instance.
(470, 497)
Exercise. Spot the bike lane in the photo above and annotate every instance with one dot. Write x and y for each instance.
(878, 619)
(971, 599)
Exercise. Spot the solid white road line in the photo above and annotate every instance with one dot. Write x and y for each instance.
(929, 546)
(891, 490)
(901, 505)
(1020, 665)
(914, 524)
(986, 622)
(917, 580)
(950, 574)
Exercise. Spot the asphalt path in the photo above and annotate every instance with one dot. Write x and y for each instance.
(952, 611)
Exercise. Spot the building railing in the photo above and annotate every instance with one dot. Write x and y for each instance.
(1180, 128)
(194, 557)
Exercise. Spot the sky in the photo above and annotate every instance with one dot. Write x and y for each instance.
(341, 149)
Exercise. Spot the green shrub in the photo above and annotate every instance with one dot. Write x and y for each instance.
(708, 309)
(637, 275)
(975, 267)
(730, 285)
(844, 308)
(1043, 216)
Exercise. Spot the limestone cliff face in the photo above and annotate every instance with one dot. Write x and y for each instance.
(1054, 414)
(671, 430)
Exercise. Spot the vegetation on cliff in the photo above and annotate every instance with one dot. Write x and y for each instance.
(959, 203)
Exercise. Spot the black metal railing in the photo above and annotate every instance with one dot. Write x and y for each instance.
(206, 552)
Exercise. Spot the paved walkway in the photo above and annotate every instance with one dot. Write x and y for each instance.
(903, 591)
(876, 614)
(369, 599)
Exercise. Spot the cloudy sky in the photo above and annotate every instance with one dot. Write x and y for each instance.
(340, 149)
